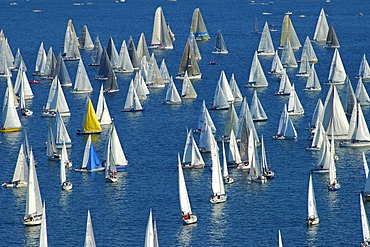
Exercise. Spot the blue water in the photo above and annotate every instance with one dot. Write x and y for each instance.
(151, 139)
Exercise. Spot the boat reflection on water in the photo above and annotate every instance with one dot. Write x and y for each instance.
(184, 236)
(32, 235)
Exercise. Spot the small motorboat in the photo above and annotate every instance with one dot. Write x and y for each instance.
(34, 82)
(212, 63)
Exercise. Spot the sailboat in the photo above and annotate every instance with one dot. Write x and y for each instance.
(280, 240)
(337, 73)
(255, 26)
(142, 48)
(206, 139)
(102, 111)
(22, 81)
(33, 214)
(350, 97)
(20, 176)
(66, 185)
(287, 56)
(64, 157)
(220, 47)
(51, 150)
(308, 51)
(56, 101)
(318, 138)
(257, 112)
(198, 27)
(366, 191)
(286, 128)
(19, 62)
(304, 68)
(225, 172)
(361, 93)
(90, 123)
(43, 242)
(40, 60)
(245, 118)
(333, 117)
(294, 106)
(187, 216)
(322, 28)
(86, 42)
(60, 133)
(24, 110)
(133, 54)
(172, 95)
(266, 46)
(364, 70)
(10, 119)
(111, 85)
(132, 103)
(358, 132)
(332, 39)
(50, 64)
(257, 77)
(324, 156)
(365, 225)
(113, 53)
(312, 217)
(313, 83)
(231, 123)
(89, 236)
(192, 157)
(218, 187)
(276, 66)
(225, 87)
(219, 99)
(105, 66)
(164, 72)
(333, 180)
(266, 170)
(82, 82)
(288, 33)
(194, 47)
(235, 89)
(110, 163)
(151, 237)
(255, 168)
(188, 91)
(90, 162)
(161, 38)
(189, 63)
(205, 117)
(285, 87)
(113, 146)
(62, 72)
(71, 44)
(96, 53)
(154, 78)
(125, 64)
(233, 158)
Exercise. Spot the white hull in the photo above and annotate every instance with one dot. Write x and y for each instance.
(313, 149)
(354, 144)
(192, 220)
(302, 75)
(220, 52)
(32, 221)
(228, 180)
(14, 184)
(67, 186)
(312, 222)
(194, 77)
(95, 170)
(218, 199)
(259, 179)
(190, 166)
(284, 137)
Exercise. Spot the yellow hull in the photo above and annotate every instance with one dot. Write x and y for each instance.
(11, 129)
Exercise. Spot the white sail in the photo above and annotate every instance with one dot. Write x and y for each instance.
(361, 93)
(234, 155)
(364, 223)
(82, 82)
(294, 106)
(218, 187)
(364, 70)
(154, 78)
(22, 81)
(102, 111)
(319, 108)
(308, 51)
(322, 28)
(313, 83)
(89, 236)
(288, 33)
(235, 89)
(86, 42)
(266, 47)
(318, 137)
(194, 46)
(172, 95)
(183, 192)
(71, 43)
(188, 91)
(21, 168)
(337, 73)
(206, 138)
(140, 85)
(257, 77)
(219, 99)
(205, 117)
(113, 145)
(285, 87)
(358, 130)
(161, 34)
(246, 114)
(286, 128)
(257, 111)
(226, 87)
(125, 64)
(33, 212)
(151, 237)
(43, 242)
(64, 157)
(10, 119)
(60, 132)
(164, 72)
(56, 100)
(333, 117)
(40, 59)
(287, 56)
(63, 177)
(220, 47)
(192, 156)
(312, 211)
(350, 97)
(142, 48)
(132, 101)
(276, 66)
(231, 122)
(304, 68)
(332, 169)
(324, 155)
(280, 240)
